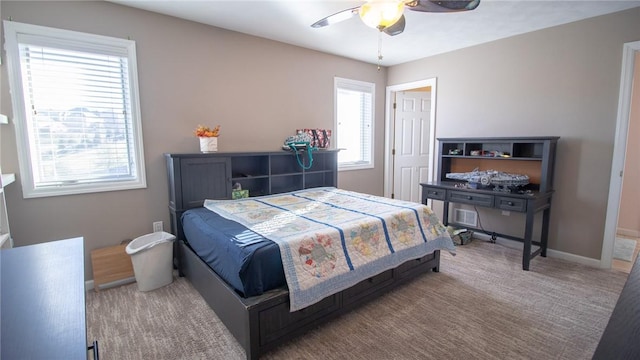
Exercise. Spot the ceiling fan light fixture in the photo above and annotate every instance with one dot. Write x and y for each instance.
(380, 14)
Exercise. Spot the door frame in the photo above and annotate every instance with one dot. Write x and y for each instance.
(389, 125)
(619, 148)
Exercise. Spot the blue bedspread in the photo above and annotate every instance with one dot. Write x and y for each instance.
(331, 239)
(246, 261)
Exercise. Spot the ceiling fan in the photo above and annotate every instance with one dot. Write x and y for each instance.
(387, 15)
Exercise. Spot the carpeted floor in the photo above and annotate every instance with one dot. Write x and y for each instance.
(480, 306)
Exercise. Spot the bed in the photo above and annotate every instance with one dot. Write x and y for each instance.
(266, 310)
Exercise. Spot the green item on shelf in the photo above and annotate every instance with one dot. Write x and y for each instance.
(239, 194)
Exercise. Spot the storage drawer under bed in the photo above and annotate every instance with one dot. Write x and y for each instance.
(278, 321)
(366, 287)
(412, 266)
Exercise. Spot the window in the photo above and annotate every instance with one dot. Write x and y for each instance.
(76, 111)
(354, 123)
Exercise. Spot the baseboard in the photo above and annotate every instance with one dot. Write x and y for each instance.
(550, 252)
(574, 258)
(627, 232)
(88, 285)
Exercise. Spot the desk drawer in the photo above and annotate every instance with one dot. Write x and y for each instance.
(430, 192)
(471, 198)
(511, 204)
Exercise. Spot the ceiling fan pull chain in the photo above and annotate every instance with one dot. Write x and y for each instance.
(379, 49)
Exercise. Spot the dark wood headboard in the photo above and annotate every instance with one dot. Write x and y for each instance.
(194, 178)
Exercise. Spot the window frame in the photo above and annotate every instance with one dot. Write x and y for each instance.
(70, 40)
(343, 83)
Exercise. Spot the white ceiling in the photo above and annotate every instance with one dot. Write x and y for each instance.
(425, 34)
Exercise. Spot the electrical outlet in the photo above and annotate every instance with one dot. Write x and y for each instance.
(157, 226)
(506, 212)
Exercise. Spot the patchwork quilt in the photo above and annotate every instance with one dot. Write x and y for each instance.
(331, 239)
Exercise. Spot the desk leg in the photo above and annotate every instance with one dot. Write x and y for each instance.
(544, 235)
(528, 231)
(445, 213)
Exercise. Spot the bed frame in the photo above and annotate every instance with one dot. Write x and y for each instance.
(263, 322)
(260, 323)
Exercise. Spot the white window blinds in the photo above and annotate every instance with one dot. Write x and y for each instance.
(79, 130)
(354, 123)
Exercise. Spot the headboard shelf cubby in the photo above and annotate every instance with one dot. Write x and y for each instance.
(199, 176)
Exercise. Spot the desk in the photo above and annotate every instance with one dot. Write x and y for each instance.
(43, 301)
(530, 204)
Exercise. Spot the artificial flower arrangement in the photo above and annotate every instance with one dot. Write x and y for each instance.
(205, 131)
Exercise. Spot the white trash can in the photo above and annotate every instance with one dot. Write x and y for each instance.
(152, 258)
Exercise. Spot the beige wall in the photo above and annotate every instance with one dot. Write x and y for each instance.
(629, 214)
(560, 81)
(259, 91)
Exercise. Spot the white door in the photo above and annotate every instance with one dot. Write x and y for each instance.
(411, 144)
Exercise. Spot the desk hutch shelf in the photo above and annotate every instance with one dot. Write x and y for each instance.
(531, 156)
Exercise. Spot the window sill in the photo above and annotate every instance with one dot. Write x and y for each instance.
(355, 167)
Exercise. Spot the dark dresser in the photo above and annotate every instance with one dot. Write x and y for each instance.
(43, 301)
(621, 337)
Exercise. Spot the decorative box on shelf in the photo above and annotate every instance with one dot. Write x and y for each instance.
(208, 144)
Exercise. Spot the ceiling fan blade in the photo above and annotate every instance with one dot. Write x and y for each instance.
(442, 5)
(337, 17)
(396, 28)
